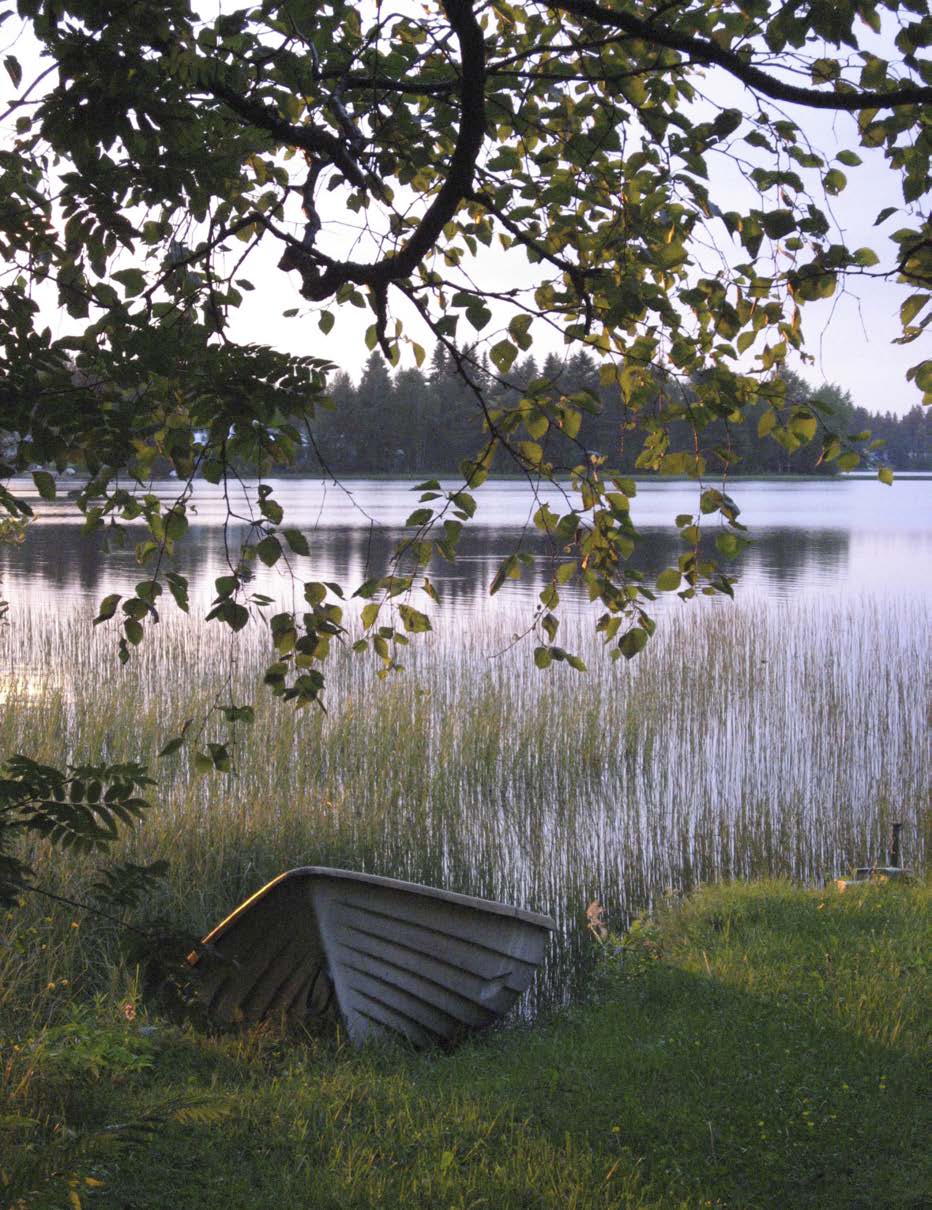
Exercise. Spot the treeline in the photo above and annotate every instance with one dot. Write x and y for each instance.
(418, 420)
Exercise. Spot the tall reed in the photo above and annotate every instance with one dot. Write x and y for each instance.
(745, 741)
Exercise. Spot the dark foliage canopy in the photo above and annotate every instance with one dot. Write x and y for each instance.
(432, 425)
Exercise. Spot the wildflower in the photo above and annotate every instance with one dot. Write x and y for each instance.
(129, 1011)
(595, 915)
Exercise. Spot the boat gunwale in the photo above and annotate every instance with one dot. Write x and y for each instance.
(489, 906)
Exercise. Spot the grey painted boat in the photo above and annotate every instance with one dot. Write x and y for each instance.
(398, 958)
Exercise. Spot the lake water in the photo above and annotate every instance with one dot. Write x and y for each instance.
(850, 536)
(778, 734)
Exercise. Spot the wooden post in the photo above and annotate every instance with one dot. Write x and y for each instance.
(895, 851)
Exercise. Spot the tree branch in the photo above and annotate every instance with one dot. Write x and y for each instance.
(703, 50)
(309, 138)
(455, 188)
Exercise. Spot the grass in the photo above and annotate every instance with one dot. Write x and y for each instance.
(753, 1045)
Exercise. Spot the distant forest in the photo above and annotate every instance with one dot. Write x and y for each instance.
(428, 420)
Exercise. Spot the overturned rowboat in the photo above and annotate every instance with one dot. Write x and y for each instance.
(397, 958)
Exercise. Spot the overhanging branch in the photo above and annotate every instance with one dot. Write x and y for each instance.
(703, 50)
(317, 285)
(309, 138)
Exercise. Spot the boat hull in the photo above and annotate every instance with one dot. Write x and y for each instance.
(399, 959)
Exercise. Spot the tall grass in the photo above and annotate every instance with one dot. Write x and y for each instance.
(745, 741)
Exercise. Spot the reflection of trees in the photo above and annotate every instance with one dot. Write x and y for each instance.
(785, 556)
(58, 558)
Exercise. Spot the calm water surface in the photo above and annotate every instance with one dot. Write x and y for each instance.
(810, 537)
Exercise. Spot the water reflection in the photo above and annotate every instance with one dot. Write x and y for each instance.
(58, 561)
(805, 534)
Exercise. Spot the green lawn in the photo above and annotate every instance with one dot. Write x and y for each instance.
(755, 1046)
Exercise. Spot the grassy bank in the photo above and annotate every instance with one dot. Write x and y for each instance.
(753, 1046)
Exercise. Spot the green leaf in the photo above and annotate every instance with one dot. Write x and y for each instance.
(670, 256)
(269, 550)
(414, 621)
(297, 541)
(669, 580)
(220, 757)
(779, 223)
(465, 502)
(921, 374)
(176, 524)
(478, 315)
(911, 308)
(885, 475)
(503, 355)
(132, 280)
(314, 592)
(542, 657)
(549, 597)
(45, 484)
(235, 615)
(519, 331)
(178, 587)
(632, 642)
(531, 452)
(825, 70)
(369, 613)
(13, 70)
(108, 608)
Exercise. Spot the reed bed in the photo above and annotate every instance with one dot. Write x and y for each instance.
(746, 741)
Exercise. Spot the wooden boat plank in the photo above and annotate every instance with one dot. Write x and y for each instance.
(481, 961)
(439, 995)
(416, 961)
(469, 987)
